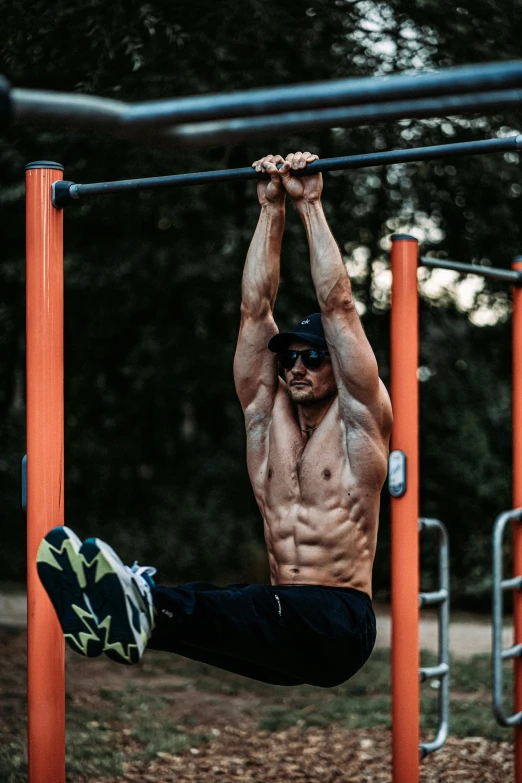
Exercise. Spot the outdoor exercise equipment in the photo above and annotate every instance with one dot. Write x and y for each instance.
(64, 191)
(212, 119)
(404, 488)
(500, 585)
(223, 118)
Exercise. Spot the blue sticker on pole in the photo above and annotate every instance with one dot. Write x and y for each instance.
(23, 472)
(397, 473)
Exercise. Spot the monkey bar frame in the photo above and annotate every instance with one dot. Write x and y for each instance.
(211, 120)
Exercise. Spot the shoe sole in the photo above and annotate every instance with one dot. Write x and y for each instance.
(62, 574)
(123, 612)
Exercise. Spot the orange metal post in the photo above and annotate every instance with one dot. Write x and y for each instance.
(405, 513)
(517, 503)
(46, 681)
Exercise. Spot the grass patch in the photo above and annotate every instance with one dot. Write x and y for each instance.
(13, 762)
(93, 747)
(148, 716)
(164, 738)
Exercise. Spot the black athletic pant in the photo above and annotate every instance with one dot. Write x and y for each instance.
(278, 634)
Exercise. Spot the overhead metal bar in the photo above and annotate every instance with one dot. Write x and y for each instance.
(233, 131)
(65, 192)
(64, 109)
(507, 275)
(91, 111)
(342, 92)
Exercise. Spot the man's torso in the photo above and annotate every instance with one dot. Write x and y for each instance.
(319, 495)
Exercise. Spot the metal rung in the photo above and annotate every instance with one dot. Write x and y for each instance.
(512, 652)
(439, 598)
(512, 584)
(433, 672)
(433, 599)
(499, 585)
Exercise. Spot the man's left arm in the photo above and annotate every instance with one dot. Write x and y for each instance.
(353, 360)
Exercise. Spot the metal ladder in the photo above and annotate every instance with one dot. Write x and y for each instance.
(499, 585)
(439, 598)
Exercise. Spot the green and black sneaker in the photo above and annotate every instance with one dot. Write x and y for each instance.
(121, 598)
(61, 570)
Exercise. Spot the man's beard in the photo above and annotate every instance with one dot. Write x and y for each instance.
(307, 395)
(303, 395)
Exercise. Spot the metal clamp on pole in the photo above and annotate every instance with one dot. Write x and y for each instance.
(439, 598)
(63, 193)
(499, 585)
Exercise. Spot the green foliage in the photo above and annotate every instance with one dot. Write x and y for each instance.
(154, 435)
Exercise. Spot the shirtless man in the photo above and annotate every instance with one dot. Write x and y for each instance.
(317, 448)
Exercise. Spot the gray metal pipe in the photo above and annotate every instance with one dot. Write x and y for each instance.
(317, 95)
(91, 111)
(507, 275)
(498, 655)
(66, 110)
(70, 191)
(442, 669)
(233, 131)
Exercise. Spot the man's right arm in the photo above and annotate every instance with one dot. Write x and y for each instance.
(255, 368)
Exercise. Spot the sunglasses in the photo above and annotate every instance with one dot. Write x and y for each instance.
(311, 358)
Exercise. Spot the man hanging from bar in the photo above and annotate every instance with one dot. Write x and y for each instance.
(317, 449)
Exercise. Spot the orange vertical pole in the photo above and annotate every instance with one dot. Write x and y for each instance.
(405, 513)
(517, 503)
(45, 645)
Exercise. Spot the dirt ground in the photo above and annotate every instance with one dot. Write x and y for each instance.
(235, 749)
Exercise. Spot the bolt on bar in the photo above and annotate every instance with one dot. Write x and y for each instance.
(508, 275)
(64, 192)
(439, 598)
(29, 105)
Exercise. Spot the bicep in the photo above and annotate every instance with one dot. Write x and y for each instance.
(255, 367)
(353, 360)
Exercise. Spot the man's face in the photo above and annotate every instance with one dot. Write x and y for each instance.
(306, 386)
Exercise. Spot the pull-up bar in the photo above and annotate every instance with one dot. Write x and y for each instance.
(65, 191)
(513, 276)
(211, 119)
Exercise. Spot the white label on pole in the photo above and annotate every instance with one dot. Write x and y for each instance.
(397, 473)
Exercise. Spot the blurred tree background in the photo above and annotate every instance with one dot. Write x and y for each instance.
(154, 434)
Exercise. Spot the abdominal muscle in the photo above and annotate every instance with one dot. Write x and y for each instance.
(314, 546)
(320, 521)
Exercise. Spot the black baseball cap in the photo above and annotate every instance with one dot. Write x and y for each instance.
(310, 330)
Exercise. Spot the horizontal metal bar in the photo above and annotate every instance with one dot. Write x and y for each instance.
(343, 92)
(89, 111)
(512, 652)
(432, 672)
(515, 583)
(364, 160)
(92, 112)
(235, 130)
(66, 109)
(507, 275)
(433, 599)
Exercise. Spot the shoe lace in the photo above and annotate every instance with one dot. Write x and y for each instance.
(137, 569)
(146, 572)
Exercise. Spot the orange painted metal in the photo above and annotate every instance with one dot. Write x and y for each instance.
(405, 513)
(517, 503)
(46, 680)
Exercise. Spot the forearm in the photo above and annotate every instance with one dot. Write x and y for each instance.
(261, 272)
(329, 275)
